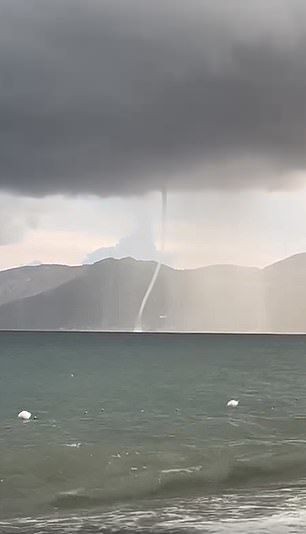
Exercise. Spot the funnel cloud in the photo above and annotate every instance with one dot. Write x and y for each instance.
(125, 97)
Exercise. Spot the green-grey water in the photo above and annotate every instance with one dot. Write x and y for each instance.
(133, 433)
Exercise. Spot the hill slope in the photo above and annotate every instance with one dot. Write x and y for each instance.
(108, 294)
(24, 282)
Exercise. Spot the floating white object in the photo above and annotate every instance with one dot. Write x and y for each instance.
(232, 403)
(24, 415)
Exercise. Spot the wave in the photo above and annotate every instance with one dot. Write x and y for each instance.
(225, 515)
(194, 481)
(84, 477)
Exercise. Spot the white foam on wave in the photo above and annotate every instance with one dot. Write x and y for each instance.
(153, 521)
(173, 518)
(282, 523)
(260, 512)
(192, 469)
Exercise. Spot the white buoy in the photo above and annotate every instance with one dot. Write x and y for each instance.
(24, 415)
(232, 403)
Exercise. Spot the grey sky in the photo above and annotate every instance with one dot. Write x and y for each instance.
(126, 96)
(116, 98)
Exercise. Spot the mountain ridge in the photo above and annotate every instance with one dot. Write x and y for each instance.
(107, 296)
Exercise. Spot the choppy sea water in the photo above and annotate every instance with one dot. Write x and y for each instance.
(133, 433)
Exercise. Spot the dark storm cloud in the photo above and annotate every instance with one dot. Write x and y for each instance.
(125, 96)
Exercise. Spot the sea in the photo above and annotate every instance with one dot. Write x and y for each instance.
(131, 433)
